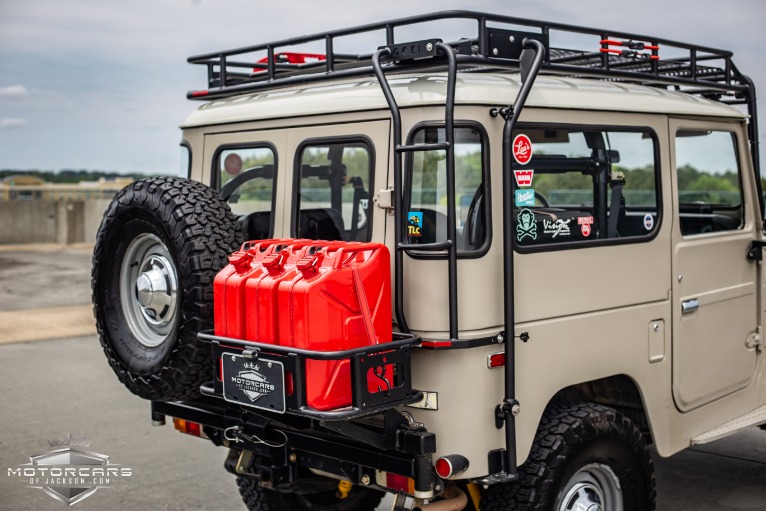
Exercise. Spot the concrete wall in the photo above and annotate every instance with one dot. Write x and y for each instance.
(48, 221)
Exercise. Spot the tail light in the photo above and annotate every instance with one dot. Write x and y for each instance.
(189, 427)
(451, 466)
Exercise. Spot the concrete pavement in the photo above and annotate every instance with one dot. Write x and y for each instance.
(64, 385)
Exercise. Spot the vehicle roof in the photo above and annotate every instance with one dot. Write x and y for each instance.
(424, 89)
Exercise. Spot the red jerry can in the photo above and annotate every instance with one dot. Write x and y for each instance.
(230, 308)
(261, 290)
(340, 300)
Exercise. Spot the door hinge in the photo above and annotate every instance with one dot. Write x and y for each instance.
(384, 199)
(755, 252)
(755, 340)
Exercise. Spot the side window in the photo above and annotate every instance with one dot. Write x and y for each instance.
(709, 184)
(427, 190)
(333, 191)
(584, 184)
(246, 181)
(184, 169)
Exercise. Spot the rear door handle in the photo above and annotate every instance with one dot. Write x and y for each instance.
(689, 306)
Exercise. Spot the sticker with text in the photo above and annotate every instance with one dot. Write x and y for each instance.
(522, 149)
(524, 198)
(648, 222)
(415, 224)
(558, 228)
(585, 222)
(524, 177)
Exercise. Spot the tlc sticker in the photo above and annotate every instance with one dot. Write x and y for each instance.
(648, 222)
(524, 177)
(522, 149)
(415, 224)
(585, 222)
(524, 198)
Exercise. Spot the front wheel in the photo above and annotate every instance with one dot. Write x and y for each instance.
(585, 456)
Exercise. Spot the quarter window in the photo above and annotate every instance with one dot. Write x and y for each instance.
(333, 191)
(583, 184)
(427, 190)
(709, 184)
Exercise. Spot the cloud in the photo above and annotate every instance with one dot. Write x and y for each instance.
(13, 91)
(10, 123)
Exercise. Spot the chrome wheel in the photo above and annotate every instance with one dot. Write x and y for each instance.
(149, 290)
(594, 487)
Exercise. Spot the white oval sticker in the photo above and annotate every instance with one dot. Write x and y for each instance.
(648, 222)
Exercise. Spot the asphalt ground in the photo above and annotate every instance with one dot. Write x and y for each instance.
(54, 381)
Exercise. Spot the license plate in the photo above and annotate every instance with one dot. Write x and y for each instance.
(259, 383)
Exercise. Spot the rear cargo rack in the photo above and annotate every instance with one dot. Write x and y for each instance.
(362, 360)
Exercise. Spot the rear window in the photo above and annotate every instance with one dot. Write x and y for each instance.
(333, 191)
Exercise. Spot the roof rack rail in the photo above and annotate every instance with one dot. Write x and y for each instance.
(494, 44)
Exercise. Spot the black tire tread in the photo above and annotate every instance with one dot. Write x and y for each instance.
(196, 214)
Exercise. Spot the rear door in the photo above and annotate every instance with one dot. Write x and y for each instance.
(715, 292)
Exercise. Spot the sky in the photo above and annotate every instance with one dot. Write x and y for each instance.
(101, 85)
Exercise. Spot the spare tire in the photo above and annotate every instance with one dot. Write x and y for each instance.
(160, 244)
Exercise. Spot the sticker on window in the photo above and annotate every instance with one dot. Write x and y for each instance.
(415, 224)
(522, 149)
(526, 226)
(560, 227)
(524, 198)
(648, 222)
(585, 222)
(523, 177)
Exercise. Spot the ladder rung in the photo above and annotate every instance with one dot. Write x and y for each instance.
(422, 147)
(430, 247)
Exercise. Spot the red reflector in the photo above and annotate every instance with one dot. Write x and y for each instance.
(200, 93)
(193, 429)
(496, 360)
(188, 427)
(400, 483)
(437, 344)
(443, 468)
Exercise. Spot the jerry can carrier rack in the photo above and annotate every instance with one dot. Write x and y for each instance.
(272, 378)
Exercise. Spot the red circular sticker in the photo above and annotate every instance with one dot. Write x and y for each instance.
(522, 149)
(232, 164)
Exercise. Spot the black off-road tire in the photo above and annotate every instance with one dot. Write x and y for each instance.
(257, 498)
(171, 236)
(570, 439)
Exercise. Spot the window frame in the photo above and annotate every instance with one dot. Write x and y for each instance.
(595, 242)
(740, 175)
(215, 171)
(487, 180)
(297, 175)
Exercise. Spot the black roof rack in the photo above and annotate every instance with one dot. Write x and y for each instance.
(494, 44)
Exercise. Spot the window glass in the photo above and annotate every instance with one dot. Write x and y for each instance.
(334, 192)
(583, 184)
(709, 184)
(184, 169)
(427, 211)
(246, 180)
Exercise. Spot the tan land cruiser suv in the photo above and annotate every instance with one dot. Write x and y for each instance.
(477, 272)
